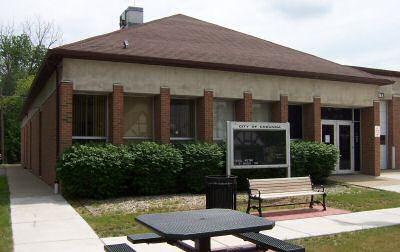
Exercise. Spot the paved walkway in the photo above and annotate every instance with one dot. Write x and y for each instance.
(295, 229)
(42, 221)
(388, 181)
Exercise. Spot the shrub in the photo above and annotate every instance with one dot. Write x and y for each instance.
(93, 171)
(200, 160)
(155, 168)
(314, 159)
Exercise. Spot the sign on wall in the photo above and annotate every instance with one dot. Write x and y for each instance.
(258, 145)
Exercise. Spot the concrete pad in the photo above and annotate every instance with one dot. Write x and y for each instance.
(390, 188)
(2, 172)
(284, 233)
(319, 226)
(370, 219)
(44, 231)
(84, 245)
(231, 241)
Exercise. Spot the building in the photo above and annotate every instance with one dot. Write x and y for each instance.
(179, 78)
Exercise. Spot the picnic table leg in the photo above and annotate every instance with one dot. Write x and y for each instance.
(203, 244)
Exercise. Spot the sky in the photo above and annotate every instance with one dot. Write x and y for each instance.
(353, 32)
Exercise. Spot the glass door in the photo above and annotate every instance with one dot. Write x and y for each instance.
(340, 134)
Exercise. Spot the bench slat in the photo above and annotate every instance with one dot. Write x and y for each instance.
(268, 242)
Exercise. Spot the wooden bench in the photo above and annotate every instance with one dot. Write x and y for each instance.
(267, 242)
(269, 189)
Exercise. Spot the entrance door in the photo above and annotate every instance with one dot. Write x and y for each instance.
(340, 134)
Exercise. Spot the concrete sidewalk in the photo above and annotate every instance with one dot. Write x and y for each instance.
(295, 229)
(42, 221)
(389, 180)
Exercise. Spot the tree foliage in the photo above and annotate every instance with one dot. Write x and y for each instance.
(21, 54)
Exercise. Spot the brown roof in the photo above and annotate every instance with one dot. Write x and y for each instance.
(183, 40)
(379, 72)
(180, 40)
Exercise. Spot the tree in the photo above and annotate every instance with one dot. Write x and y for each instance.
(21, 54)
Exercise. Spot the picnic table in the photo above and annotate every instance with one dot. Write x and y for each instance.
(201, 225)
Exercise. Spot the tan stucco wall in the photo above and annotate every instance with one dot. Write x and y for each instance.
(390, 90)
(44, 94)
(89, 75)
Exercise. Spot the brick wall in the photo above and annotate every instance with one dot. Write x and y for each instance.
(48, 139)
(22, 143)
(279, 110)
(65, 115)
(35, 145)
(117, 114)
(394, 131)
(29, 156)
(205, 116)
(244, 108)
(312, 120)
(370, 146)
(162, 118)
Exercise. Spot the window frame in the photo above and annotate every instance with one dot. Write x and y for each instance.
(153, 119)
(107, 119)
(218, 139)
(194, 119)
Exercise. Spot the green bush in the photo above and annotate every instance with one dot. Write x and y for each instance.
(200, 160)
(314, 159)
(155, 168)
(93, 171)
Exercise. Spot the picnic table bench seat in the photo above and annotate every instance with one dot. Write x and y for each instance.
(122, 247)
(268, 189)
(268, 242)
(145, 238)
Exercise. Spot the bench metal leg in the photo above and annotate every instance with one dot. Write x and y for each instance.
(324, 201)
(203, 244)
(312, 201)
(259, 208)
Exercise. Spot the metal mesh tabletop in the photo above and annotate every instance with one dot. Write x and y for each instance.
(203, 223)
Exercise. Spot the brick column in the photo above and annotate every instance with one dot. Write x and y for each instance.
(370, 147)
(205, 116)
(280, 109)
(65, 115)
(394, 132)
(244, 108)
(312, 120)
(162, 108)
(117, 115)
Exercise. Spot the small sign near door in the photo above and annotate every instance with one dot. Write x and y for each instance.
(377, 131)
(327, 138)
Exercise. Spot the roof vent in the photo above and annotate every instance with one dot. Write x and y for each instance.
(130, 17)
(126, 44)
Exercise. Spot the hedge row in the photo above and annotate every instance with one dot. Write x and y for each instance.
(102, 171)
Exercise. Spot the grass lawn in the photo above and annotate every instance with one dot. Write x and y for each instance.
(121, 220)
(5, 221)
(376, 239)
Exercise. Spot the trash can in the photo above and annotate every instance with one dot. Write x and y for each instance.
(221, 191)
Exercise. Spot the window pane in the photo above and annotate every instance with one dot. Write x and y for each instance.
(261, 112)
(138, 117)
(336, 113)
(296, 121)
(89, 115)
(182, 118)
(223, 112)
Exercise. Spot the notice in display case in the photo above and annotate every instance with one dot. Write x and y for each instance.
(257, 145)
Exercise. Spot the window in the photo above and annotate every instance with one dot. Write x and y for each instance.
(328, 113)
(296, 121)
(89, 118)
(138, 118)
(223, 112)
(182, 119)
(261, 112)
